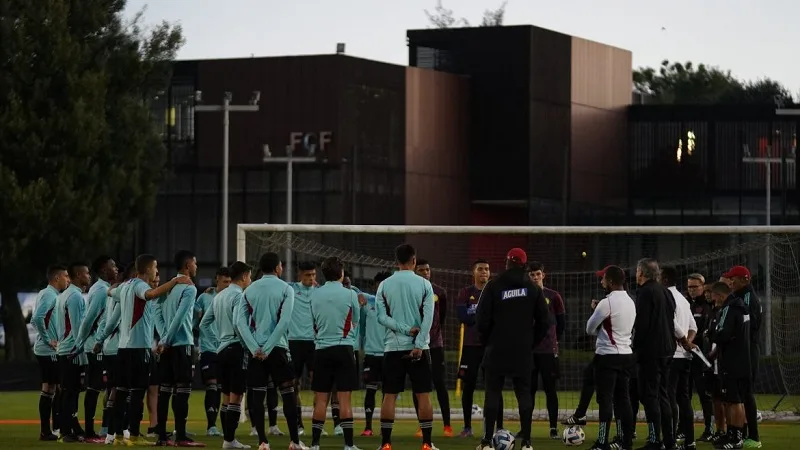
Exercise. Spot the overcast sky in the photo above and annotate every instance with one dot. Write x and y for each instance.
(752, 38)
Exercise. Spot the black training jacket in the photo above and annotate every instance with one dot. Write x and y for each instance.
(512, 318)
(654, 330)
(732, 337)
(753, 305)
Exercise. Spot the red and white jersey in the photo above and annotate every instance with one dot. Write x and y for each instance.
(612, 322)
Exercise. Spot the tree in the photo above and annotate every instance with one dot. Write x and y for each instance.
(81, 160)
(442, 17)
(676, 83)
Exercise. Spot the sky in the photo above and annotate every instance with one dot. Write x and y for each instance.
(751, 38)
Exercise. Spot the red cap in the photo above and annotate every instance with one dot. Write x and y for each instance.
(737, 271)
(601, 273)
(517, 255)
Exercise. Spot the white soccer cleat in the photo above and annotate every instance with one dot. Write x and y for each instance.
(314, 447)
(527, 447)
(298, 446)
(483, 447)
(126, 434)
(324, 433)
(275, 431)
(338, 431)
(301, 431)
(109, 439)
(234, 444)
(352, 448)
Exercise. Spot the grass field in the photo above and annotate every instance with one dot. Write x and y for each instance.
(19, 423)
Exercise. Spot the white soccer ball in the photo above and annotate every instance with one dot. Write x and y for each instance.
(573, 436)
(477, 411)
(759, 418)
(503, 440)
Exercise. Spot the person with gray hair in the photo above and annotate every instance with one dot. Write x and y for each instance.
(654, 345)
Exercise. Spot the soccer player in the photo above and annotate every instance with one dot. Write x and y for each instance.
(335, 312)
(545, 355)
(301, 330)
(262, 320)
(136, 329)
(405, 307)
(612, 321)
(175, 311)
(373, 335)
(719, 292)
(654, 344)
(208, 351)
(512, 319)
(732, 337)
(220, 319)
(471, 350)
(701, 311)
(680, 371)
(105, 269)
(438, 367)
(45, 347)
(68, 314)
(740, 284)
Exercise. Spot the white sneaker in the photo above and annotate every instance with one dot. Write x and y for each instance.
(126, 434)
(298, 446)
(234, 444)
(109, 439)
(263, 446)
(337, 430)
(253, 431)
(57, 433)
(301, 431)
(275, 431)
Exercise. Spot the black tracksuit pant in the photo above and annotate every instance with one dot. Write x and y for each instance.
(654, 395)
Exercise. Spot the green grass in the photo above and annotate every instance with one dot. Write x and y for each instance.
(18, 420)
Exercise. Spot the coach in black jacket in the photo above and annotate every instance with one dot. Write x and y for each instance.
(654, 346)
(512, 318)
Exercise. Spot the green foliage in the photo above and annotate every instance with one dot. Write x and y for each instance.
(676, 83)
(442, 17)
(81, 161)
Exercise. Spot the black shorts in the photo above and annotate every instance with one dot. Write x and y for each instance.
(335, 366)
(95, 372)
(48, 369)
(470, 364)
(133, 368)
(397, 365)
(373, 370)
(438, 367)
(110, 370)
(232, 369)
(734, 389)
(277, 367)
(546, 365)
(302, 353)
(208, 367)
(70, 372)
(175, 365)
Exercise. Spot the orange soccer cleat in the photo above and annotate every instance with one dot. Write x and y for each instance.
(386, 447)
(448, 431)
(418, 433)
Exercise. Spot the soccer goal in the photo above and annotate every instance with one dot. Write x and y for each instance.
(570, 256)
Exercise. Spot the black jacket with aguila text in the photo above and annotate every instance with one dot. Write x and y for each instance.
(512, 318)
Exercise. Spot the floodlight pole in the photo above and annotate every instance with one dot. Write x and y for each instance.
(290, 161)
(226, 108)
(768, 161)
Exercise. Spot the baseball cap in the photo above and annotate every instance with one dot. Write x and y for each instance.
(737, 271)
(602, 272)
(517, 255)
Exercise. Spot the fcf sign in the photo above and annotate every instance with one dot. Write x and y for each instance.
(309, 142)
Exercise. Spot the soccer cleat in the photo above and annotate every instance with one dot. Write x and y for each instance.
(429, 447)
(554, 434)
(297, 446)
(127, 434)
(352, 448)
(188, 442)
(48, 437)
(706, 436)
(70, 439)
(213, 431)
(680, 437)
(385, 447)
(615, 444)
(749, 443)
(418, 433)
(152, 433)
(730, 444)
(484, 446)
(263, 446)
(466, 433)
(275, 431)
(691, 446)
(337, 430)
(575, 420)
(526, 445)
(367, 433)
(301, 431)
(234, 444)
(314, 447)
(448, 431)
(324, 433)
(109, 439)
(57, 433)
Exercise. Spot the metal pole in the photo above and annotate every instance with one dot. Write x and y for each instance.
(289, 211)
(768, 265)
(225, 173)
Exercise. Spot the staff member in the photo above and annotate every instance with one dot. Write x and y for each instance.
(654, 345)
(508, 306)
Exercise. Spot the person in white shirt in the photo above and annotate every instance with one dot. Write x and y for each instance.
(680, 371)
(612, 322)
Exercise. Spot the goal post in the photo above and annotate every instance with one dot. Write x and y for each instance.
(571, 255)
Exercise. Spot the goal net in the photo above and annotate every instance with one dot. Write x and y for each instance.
(571, 256)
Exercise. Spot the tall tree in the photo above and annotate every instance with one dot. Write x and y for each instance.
(81, 160)
(687, 83)
(442, 17)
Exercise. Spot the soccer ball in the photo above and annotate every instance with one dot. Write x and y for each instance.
(503, 440)
(477, 411)
(759, 418)
(573, 436)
